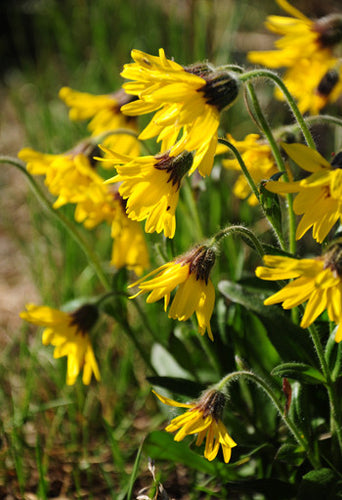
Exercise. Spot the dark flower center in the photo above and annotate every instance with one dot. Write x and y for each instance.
(176, 166)
(221, 88)
(84, 318)
(201, 260)
(212, 403)
(336, 162)
(333, 259)
(329, 30)
(328, 82)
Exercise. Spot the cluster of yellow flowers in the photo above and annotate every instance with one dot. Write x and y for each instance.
(187, 102)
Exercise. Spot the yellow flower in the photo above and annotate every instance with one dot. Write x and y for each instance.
(105, 111)
(315, 281)
(69, 334)
(195, 292)
(151, 184)
(259, 161)
(319, 196)
(187, 100)
(72, 178)
(307, 50)
(129, 246)
(204, 419)
(67, 175)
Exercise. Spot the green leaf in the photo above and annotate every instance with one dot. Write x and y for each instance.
(291, 454)
(289, 339)
(179, 385)
(299, 409)
(299, 371)
(134, 473)
(165, 363)
(320, 484)
(160, 445)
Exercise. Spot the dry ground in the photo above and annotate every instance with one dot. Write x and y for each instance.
(16, 285)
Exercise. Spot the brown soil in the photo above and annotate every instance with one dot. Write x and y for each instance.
(16, 285)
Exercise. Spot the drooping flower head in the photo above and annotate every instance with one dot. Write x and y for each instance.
(258, 158)
(151, 184)
(73, 179)
(187, 101)
(105, 113)
(195, 292)
(319, 197)
(69, 334)
(315, 281)
(129, 246)
(67, 175)
(307, 50)
(204, 419)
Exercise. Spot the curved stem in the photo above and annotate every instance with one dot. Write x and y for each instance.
(130, 333)
(279, 161)
(329, 119)
(66, 223)
(266, 73)
(243, 231)
(252, 185)
(142, 314)
(244, 169)
(273, 397)
(334, 403)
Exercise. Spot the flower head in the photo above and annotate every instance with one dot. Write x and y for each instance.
(187, 100)
(129, 246)
(151, 184)
(319, 197)
(307, 50)
(72, 178)
(315, 281)
(195, 293)
(67, 175)
(204, 419)
(258, 158)
(105, 113)
(69, 334)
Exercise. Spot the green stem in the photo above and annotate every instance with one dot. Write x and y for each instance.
(273, 397)
(279, 161)
(266, 73)
(130, 333)
(333, 400)
(252, 185)
(66, 223)
(142, 314)
(331, 120)
(244, 169)
(211, 357)
(189, 198)
(244, 232)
